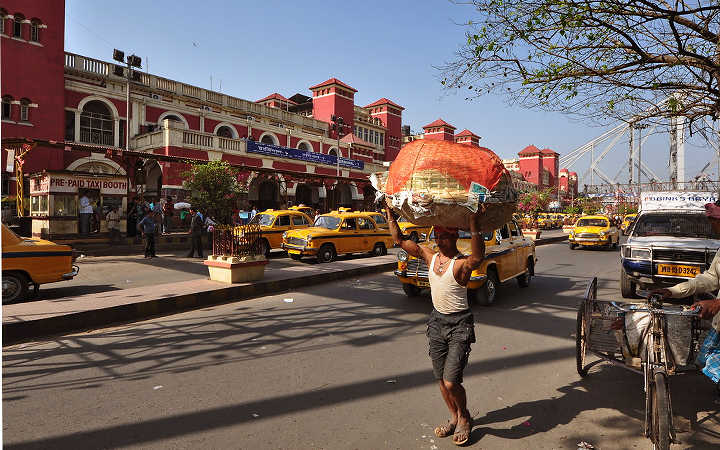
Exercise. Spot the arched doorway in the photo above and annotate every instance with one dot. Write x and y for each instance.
(268, 195)
(225, 131)
(343, 196)
(153, 179)
(303, 194)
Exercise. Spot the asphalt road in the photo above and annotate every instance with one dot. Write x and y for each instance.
(340, 365)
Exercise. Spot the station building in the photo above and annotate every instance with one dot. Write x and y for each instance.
(67, 114)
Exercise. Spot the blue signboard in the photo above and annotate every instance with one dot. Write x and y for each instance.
(302, 155)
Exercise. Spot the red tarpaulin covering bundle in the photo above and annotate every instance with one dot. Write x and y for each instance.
(444, 183)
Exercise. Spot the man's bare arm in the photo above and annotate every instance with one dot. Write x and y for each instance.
(409, 246)
(477, 246)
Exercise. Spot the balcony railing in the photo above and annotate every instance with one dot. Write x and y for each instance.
(79, 63)
(96, 137)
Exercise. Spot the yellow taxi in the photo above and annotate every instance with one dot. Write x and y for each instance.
(627, 221)
(338, 233)
(545, 221)
(32, 261)
(415, 233)
(273, 223)
(379, 218)
(508, 255)
(308, 211)
(594, 231)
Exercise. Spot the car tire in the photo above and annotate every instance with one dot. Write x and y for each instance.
(326, 253)
(486, 294)
(15, 287)
(379, 250)
(524, 279)
(296, 257)
(572, 246)
(411, 290)
(628, 289)
(414, 237)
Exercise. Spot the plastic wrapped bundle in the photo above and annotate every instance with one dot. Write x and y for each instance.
(444, 183)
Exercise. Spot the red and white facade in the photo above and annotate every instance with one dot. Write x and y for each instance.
(81, 101)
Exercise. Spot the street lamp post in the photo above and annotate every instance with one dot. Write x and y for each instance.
(337, 125)
(639, 127)
(131, 61)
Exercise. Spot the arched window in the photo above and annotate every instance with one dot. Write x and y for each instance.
(97, 124)
(24, 109)
(7, 107)
(17, 25)
(269, 139)
(305, 147)
(35, 30)
(225, 131)
(332, 152)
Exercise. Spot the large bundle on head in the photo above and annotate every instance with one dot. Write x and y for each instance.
(444, 183)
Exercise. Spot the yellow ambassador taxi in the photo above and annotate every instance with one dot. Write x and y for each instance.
(627, 221)
(303, 209)
(508, 255)
(335, 233)
(415, 233)
(32, 261)
(594, 231)
(273, 223)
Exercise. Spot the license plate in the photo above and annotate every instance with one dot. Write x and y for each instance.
(421, 283)
(678, 270)
(294, 252)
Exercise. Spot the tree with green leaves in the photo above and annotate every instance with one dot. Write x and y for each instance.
(214, 189)
(600, 59)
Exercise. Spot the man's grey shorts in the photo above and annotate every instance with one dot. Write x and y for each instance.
(449, 338)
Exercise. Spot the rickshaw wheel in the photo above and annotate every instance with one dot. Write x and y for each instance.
(581, 340)
(660, 413)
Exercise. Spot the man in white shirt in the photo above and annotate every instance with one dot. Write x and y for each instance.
(113, 223)
(85, 212)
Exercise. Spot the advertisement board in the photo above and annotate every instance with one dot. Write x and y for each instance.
(302, 155)
(680, 200)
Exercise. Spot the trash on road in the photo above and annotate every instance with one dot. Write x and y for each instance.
(585, 446)
(288, 300)
(255, 415)
(391, 381)
(526, 424)
(157, 387)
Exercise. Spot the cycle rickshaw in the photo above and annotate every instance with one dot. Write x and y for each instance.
(652, 339)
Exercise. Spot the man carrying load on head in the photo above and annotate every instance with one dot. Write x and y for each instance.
(450, 329)
(706, 282)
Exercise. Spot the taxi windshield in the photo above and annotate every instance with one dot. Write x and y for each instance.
(402, 220)
(329, 222)
(592, 223)
(678, 224)
(263, 219)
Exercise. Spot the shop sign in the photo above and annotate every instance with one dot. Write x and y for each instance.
(72, 184)
(302, 155)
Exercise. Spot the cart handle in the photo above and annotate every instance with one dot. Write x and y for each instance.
(632, 308)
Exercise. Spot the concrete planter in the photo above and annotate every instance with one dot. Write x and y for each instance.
(234, 269)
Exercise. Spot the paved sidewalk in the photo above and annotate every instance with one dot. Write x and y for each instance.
(120, 289)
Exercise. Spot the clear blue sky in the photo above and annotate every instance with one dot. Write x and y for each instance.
(381, 48)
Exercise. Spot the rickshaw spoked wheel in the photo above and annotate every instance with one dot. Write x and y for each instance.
(660, 413)
(581, 339)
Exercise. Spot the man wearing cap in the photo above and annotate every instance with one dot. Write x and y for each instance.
(706, 282)
(450, 329)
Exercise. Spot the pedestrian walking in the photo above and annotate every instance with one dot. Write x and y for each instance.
(451, 328)
(196, 231)
(86, 211)
(131, 228)
(209, 228)
(167, 214)
(147, 226)
(113, 224)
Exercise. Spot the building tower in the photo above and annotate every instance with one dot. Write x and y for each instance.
(390, 114)
(439, 131)
(333, 97)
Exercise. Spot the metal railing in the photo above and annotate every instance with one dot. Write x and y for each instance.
(239, 241)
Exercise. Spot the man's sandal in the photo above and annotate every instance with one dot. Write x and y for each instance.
(445, 430)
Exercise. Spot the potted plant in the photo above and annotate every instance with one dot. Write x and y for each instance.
(237, 255)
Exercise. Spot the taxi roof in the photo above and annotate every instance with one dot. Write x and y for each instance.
(276, 212)
(593, 216)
